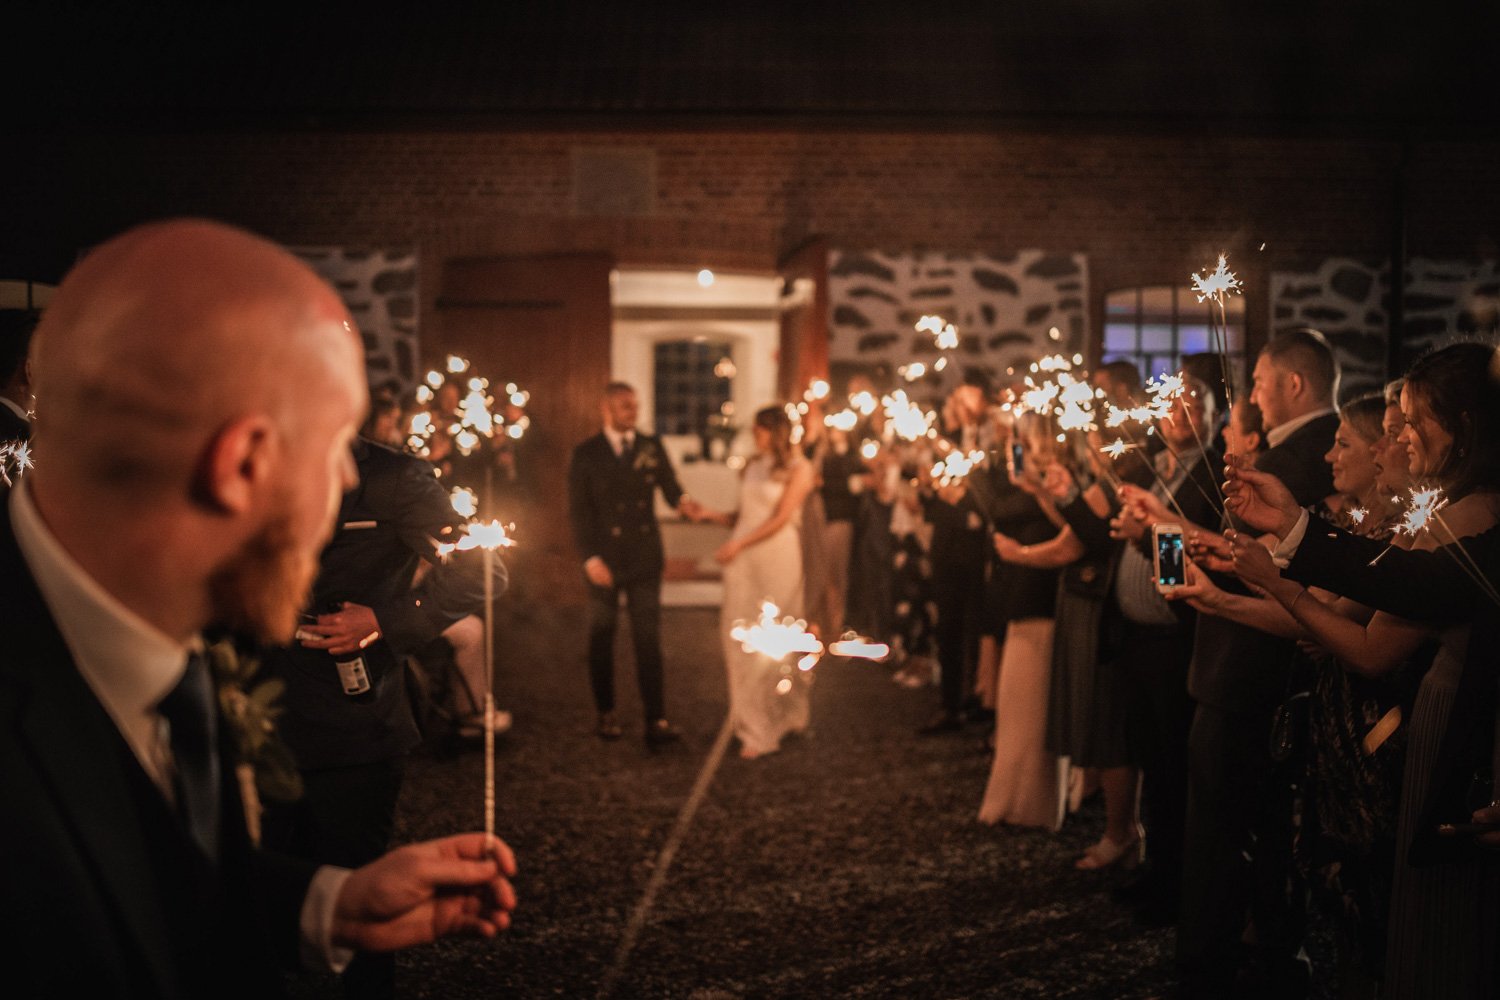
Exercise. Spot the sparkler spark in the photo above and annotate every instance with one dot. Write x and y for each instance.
(858, 647)
(1219, 283)
(864, 402)
(907, 420)
(844, 420)
(1117, 448)
(464, 501)
(819, 389)
(955, 466)
(778, 639)
(487, 535)
(1423, 507)
(1357, 515)
(869, 450)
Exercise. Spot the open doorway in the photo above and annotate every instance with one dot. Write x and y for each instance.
(702, 350)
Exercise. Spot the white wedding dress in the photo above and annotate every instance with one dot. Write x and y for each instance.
(762, 709)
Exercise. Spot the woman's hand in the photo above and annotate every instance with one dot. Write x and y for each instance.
(1058, 480)
(1130, 524)
(1200, 592)
(1211, 551)
(1007, 548)
(726, 553)
(1253, 563)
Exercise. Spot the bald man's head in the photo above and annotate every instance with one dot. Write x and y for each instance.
(163, 334)
(203, 375)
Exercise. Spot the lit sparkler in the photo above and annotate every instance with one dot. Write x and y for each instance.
(858, 647)
(1357, 515)
(780, 638)
(869, 450)
(844, 420)
(1220, 282)
(956, 466)
(464, 501)
(908, 421)
(488, 537)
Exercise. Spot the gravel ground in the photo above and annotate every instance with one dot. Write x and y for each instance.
(849, 864)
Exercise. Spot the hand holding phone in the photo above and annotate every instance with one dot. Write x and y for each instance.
(1168, 561)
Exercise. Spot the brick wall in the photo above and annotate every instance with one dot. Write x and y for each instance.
(1144, 209)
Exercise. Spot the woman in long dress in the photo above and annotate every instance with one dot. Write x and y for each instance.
(763, 563)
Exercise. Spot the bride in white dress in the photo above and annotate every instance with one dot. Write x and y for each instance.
(763, 562)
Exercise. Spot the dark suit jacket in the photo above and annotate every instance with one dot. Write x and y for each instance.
(611, 502)
(1237, 668)
(1426, 586)
(105, 894)
(386, 525)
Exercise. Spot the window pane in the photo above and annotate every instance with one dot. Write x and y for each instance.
(1119, 337)
(1193, 339)
(1156, 337)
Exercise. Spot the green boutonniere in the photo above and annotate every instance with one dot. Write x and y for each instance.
(645, 457)
(265, 767)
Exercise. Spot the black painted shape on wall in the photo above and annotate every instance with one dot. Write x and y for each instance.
(941, 272)
(999, 340)
(395, 281)
(849, 316)
(1424, 326)
(1351, 283)
(1284, 312)
(851, 264)
(932, 292)
(988, 312)
(876, 341)
(1299, 292)
(1373, 318)
(1038, 313)
(865, 292)
(1070, 303)
(994, 281)
(1324, 314)
(1053, 266)
(402, 307)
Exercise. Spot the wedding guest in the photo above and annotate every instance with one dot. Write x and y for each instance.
(198, 391)
(16, 328)
(1238, 677)
(1445, 901)
(1244, 432)
(1153, 647)
(613, 480)
(363, 619)
(957, 560)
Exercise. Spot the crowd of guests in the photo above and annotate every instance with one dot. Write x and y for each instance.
(1299, 723)
(1306, 717)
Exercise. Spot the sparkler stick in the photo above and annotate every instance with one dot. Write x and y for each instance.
(486, 537)
(1164, 391)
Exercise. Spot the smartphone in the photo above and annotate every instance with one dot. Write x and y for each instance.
(1166, 543)
(1017, 457)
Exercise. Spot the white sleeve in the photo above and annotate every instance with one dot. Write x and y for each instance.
(318, 950)
(1286, 549)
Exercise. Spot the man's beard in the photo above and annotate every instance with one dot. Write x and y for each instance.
(261, 591)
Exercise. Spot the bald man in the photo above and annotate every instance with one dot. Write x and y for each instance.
(197, 391)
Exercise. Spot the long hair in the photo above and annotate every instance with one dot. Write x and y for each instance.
(775, 420)
(1460, 385)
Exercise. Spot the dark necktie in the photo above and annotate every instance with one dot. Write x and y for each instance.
(189, 710)
(627, 448)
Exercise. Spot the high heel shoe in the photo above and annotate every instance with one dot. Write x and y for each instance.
(1108, 853)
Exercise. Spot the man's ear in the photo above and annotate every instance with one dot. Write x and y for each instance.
(1296, 384)
(238, 463)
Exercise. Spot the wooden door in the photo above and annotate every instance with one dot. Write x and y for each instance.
(544, 323)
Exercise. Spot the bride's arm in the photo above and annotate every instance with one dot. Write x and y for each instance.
(792, 498)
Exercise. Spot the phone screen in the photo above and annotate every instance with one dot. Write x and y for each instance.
(1169, 569)
(1017, 455)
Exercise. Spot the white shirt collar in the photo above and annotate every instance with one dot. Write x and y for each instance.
(617, 438)
(15, 408)
(1281, 432)
(129, 663)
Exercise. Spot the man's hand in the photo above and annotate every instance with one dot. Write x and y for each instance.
(598, 573)
(1490, 816)
(422, 892)
(1260, 500)
(690, 508)
(348, 630)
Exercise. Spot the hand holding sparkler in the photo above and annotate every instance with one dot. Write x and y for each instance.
(1211, 550)
(1260, 500)
(1253, 562)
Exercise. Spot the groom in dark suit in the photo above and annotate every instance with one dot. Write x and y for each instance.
(199, 389)
(612, 484)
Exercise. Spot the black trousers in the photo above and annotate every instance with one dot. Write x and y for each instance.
(346, 817)
(643, 605)
(958, 591)
(1154, 664)
(1237, 865)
